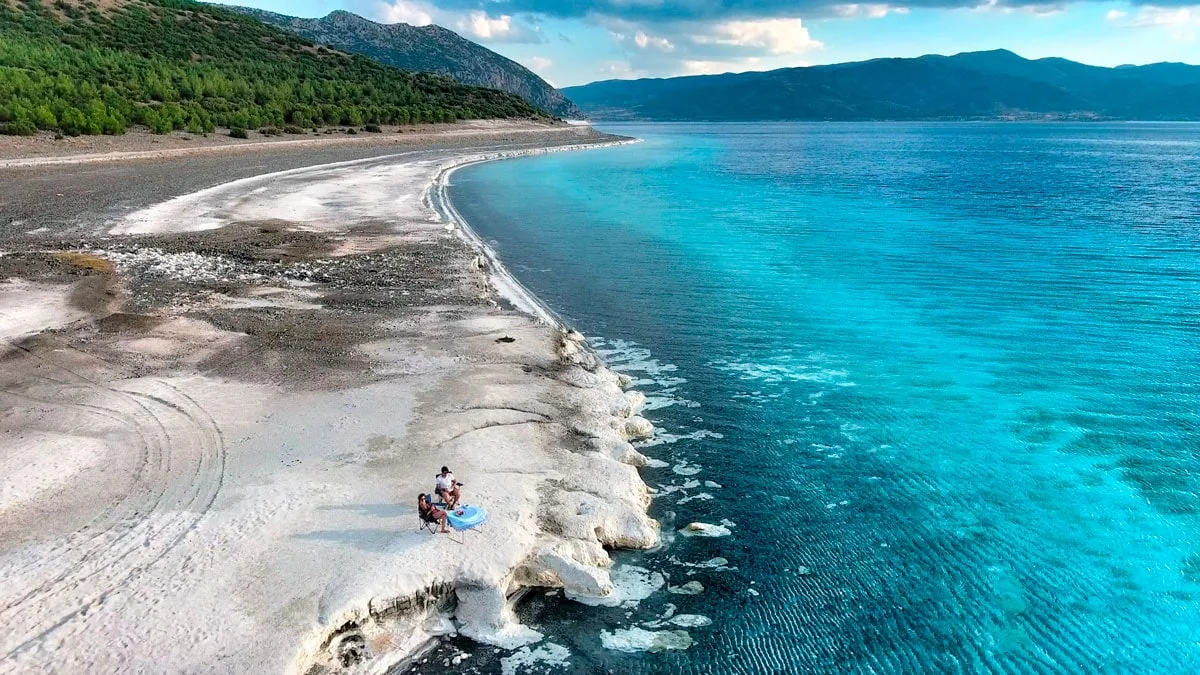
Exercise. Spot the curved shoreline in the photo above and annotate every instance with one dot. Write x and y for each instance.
(584, 580)
(437, 196)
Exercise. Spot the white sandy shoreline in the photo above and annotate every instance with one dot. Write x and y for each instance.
(271, 527)
(506, 284)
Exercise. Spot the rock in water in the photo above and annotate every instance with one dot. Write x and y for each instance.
(638, 427)
(632, 640)
(690, 588)
(705, 530)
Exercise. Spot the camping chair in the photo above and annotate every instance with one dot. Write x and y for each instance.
(427, 523)
(436, 495)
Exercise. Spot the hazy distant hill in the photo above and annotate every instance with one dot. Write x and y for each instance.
(993, 84)
(426, 49)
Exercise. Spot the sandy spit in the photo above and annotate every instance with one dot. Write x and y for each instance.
(139, 144)
(216, 413)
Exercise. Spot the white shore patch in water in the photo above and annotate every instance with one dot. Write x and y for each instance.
(690, 620)
(657, 380)
(786, 368)
(702, 496)
(687, 485)
(667, 438)
(512, 636)
(657, 464)
(717, 564)
(631, 585)
(705, 530)
(690, 588)
(634, 640)
(526, 660)
(684, 469)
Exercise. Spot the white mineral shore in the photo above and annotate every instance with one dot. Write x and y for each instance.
(155, 517)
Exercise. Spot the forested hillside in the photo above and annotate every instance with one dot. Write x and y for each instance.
(78, 67)
(424, 48)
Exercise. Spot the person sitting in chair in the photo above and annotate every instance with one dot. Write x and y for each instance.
(430, 513)
(447, 488)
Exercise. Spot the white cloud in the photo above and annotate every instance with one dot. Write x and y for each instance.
(869, 11)
(644, 41)
(1181, 23)
(630, 35)
(1038, 10)
(539, 64)
(617, 69)
(498, 29)
(405, 11)
(717, 67)
(669, 48)
(477, 25)
(771, 36)
(1163, 16)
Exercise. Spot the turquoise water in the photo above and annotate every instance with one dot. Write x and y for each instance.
(945, 376)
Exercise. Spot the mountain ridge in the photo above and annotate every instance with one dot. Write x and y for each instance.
(994, 84)
(77, 67)
(429, 48)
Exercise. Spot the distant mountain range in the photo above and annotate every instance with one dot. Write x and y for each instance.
(424, 49)
(977, 85)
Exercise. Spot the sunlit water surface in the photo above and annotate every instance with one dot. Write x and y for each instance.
(940, 381)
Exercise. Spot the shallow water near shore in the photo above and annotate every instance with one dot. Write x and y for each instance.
(939, 382)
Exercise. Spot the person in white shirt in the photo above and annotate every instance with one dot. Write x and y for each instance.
(447, 488)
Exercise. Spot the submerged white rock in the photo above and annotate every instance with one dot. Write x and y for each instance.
(525, 659)
(690, 620)
(685, 469)
(630, 585)
(633, 640)
(705, 530)
(690, 588)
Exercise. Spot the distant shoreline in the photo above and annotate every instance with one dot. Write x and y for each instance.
(930, 120)
(45, 150)
(507, 285)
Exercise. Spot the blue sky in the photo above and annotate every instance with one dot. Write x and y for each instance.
(578, 41)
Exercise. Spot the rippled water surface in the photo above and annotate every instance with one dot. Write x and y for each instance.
(940, 381)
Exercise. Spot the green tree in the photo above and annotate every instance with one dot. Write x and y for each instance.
(72, 122)
(44, 117)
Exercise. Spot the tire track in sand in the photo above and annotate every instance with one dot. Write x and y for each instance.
(179, 473)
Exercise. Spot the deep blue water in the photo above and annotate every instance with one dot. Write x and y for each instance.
(946, 376)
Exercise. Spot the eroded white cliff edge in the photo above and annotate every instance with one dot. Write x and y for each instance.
(568, 492)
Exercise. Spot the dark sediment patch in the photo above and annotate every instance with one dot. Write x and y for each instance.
(133, 286)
